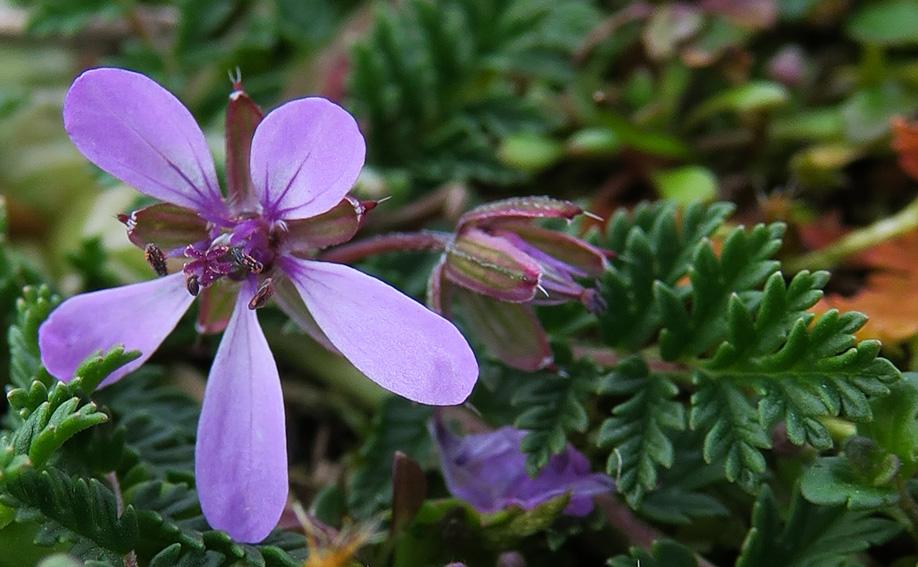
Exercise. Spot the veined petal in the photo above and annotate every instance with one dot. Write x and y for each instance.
(241, 450)
(394, 340)
(140, 316)
(578, 255)
(134, 129)
(306, 156)
(492, 266)
(288, 299)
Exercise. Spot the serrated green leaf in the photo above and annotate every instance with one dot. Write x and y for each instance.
(810, 536)
(553, 405)
(635, 430)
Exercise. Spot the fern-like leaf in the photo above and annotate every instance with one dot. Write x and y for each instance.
(25, 359)
(434, 80)
(554, 404)
(635, 430)
(651, 245)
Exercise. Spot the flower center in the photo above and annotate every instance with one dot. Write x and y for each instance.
(248, 247)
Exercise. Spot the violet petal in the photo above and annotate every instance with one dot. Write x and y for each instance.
(136, 130)
(306, 156)
(394, 340)
(241, 450)
(488, 471)
(140, 316)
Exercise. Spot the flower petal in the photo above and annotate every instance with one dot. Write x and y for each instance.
(306, 156)
(241, 450)
(140, 316)
(288, 299)
(488, 471)
(394, 340)
(578, 255)
(134, 129)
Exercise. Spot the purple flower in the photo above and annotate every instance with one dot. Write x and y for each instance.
(499, 264)
(288, 174)
(488, 471)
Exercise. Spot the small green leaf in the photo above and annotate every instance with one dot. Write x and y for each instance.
(752, 96)
(831, 481)
(687, 184)
(890, 23)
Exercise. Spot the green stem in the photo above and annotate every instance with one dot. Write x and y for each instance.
(830, 256)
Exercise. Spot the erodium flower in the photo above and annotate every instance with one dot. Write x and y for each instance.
(499, 263)
(488, 471)
(288, 174)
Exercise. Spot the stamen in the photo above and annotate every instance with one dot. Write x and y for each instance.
(543, 290)
(157, 260)
(246, 261)
(191, 284)
(262, 296)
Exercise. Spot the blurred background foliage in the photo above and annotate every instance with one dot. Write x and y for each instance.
(784, 107)
(781, 106)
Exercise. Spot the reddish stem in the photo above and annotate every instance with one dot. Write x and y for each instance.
(395, 242)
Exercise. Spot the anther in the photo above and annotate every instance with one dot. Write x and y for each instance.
(191, 284)
(155, 257)
(264, 293)
(246, 261)
(594, 302)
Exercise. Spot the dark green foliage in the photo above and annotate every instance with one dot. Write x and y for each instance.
(25, 360)
(553, 404)
(734, 433)
(14, 275)
(432, 80)
(91, 263)
(86, 508)
(808, 535)
(651, 244)
(399, 425)
(685, 491)
(635, 429)
(663, 553)
(737, 329)
(159, 426)
(743, 265)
